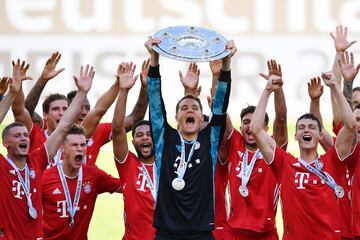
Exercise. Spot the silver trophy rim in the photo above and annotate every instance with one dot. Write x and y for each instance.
(202, 58)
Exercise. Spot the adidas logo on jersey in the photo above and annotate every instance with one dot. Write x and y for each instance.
(12, 172)
(56, 191)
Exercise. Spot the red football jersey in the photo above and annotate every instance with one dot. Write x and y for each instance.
(101, 136)
(336, 127)
(37, 138)
(221, 208)
(309, 205)
(56, 214)
(138, 200)
(354, 169)
(257, 211)
(15, 221)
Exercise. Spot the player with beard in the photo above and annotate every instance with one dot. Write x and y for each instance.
(70, 190)
(186, 158)
(98, 134)
(21, 171)
(136, 172)
(311, 184)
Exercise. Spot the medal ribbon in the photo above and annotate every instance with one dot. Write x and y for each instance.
(183, 163)
(149, 179)
(324, 176)
(246, 170)
(71, 206)
(25, 184)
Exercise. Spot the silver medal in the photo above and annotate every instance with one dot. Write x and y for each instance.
(339, 191)
(178, 184)
(33, 213)
(243, 191)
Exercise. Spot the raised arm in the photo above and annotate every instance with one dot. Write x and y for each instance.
(48, 73)
(126, 82)
(92, 119)
(83, 84)
(18, 106)
(344, 139)
(4, 84)
(190, 80)
(14, 84)
(280, 131)
(215, 68)
(264, 141)
(222, 90)
(349, 72)
(140, 107)
(341, 45)
(315, 90)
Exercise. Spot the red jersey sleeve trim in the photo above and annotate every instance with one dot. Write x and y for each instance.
(273, 155)
(47, 154)
(221, 162)
(232, 131)
(337, 154)
(284, 146)
(124, 160)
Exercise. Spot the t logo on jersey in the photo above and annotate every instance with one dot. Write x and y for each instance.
(17, 189)
(62, 207)
(141, 182)
(303, 178)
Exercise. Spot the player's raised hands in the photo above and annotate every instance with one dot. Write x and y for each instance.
(191, 79)
(348, 70)
(329, 79)
(150, 43)
(340, 39)
(315, 88)
(144, 72)
(23, 67)
(230, 45)
(49, 71)
(274, 83)
(18, 75)
(126, 75)
(273, 68)
(4, 84)
(85, 79)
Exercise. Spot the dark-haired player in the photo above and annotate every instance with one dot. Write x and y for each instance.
(136, 172)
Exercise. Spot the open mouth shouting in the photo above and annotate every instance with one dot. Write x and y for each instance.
(190, 121)
(79, 157)
(23, 145)
(307, 138)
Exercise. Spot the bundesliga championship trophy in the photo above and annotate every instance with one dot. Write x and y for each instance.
(191, 44)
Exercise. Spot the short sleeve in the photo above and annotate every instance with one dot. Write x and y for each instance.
(278, 161)
(39, 158)
(37, 138)
(105, 182)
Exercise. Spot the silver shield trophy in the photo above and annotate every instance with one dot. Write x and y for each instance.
(191, 44)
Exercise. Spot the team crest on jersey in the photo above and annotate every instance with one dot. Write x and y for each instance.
(197, 145)
(87, 187)
(32, 174)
